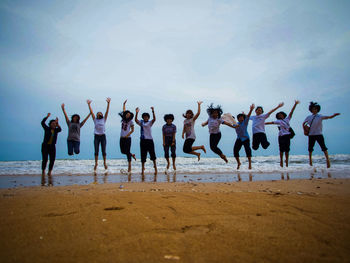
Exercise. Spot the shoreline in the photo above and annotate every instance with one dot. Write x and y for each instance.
(28, 180)
(271, 221)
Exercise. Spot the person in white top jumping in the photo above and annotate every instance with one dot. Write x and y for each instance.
(99, 132)
(284, 134)
(314, 122)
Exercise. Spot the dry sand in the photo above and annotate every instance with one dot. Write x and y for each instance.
(278, 221)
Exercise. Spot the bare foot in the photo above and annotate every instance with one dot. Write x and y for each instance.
(168, 165)
(174, 167)
(281, 163)
(199, 156)
(203, 149)
(328, 165)
(223, 156)
(105, 165)
(134, 156)
(95, 167)
(250, 167)
(49, 173)
(238, 166)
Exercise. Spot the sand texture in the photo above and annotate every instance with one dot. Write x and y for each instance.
(278, 221)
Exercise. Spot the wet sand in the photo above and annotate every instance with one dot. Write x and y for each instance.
(270, 221)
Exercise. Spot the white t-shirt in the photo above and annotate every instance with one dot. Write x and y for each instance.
(125, 129)
(259, 122)
(214, 125)
(284, 126)
(189, 128)
(316, 125)
(146, 132)
(99, 126)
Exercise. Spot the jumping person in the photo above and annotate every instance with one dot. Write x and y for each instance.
(243, 138)
(284, 132)
(314, 122)
(126, 130)
(146, 139)
(99, 132)
(169, 141)
(74, 125)
(48, 147)
(259, 135)
(188, 129)
(214, 121)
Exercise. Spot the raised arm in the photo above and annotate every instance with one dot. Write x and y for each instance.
(198, 111)
(65, 113)
(91, 112)
(205, 123)
(83, 122)
(279, 106)
(58, 127)
(43, 124)
(330, 117)
(252, 107)
(107, 110)
(136, 115)
(124, 103)
(292, 110)
(154, 116)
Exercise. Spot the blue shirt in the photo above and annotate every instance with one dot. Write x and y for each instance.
(242, 132)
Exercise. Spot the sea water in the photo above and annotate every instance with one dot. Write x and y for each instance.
(71, 171)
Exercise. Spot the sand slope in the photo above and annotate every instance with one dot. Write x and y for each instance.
(282, 221)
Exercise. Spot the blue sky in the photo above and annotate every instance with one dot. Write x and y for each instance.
(169, 54)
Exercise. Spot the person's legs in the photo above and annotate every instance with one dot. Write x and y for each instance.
(70, 147)
(103, 149)
(248, 152)
(264, 142)
(214, 141)
(45, 155)
(52, 155)
(76, 147)
(236, 148)
(152, 154)
(287, 158)
(320, 141)
(143, 150)
(311, 144)
(280, 144)
(166, 153)
(173, 155)
(256, 141)
(96, 147)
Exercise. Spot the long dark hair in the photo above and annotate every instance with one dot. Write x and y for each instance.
(211, 109)
(123, 116)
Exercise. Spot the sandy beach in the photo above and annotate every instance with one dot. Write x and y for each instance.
(270, 221)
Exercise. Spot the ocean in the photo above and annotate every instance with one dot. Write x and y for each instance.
(70, 171)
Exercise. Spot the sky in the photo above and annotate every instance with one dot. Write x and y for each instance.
(170, 54)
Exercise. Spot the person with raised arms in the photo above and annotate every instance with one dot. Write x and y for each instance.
(99, 132)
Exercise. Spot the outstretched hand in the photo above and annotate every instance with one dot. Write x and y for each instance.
(62, 105)
(252, 106)
(125, 102)
(48, 115)
(336, 114)
(280, 105)
(152, 108)
(108, 100)
(88, 102)
(199, 102)
(297, 102)
(137, 110)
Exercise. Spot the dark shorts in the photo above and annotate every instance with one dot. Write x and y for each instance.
(147, 146)
(73, 147)
(260, 138)
(125, 145)
(238, 146)
(284, 143)
(168, 144)
(188, 145)
(319, 139)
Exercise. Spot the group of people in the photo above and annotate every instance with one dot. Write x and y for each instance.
(312, 128)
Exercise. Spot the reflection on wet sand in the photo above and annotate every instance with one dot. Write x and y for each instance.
(168, 177)
(287, 176)
(43, 180)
